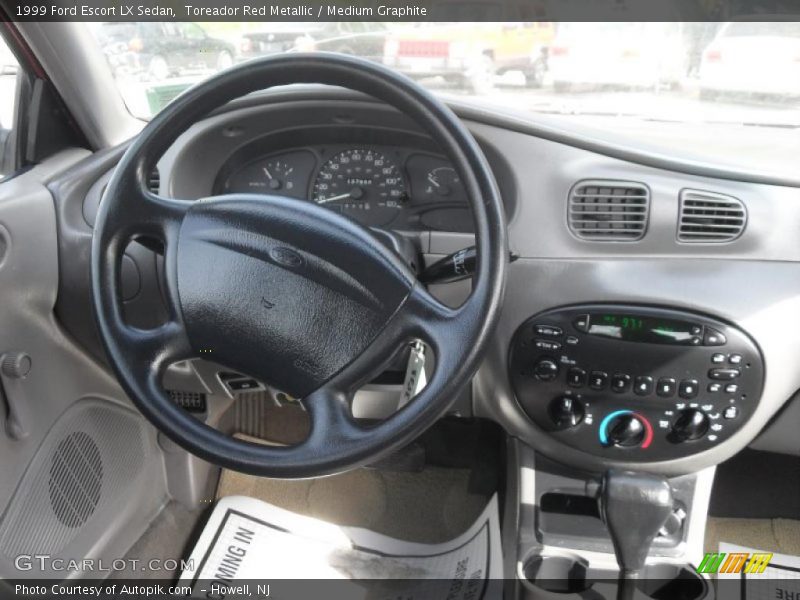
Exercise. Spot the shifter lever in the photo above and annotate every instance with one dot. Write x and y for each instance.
(634, 506)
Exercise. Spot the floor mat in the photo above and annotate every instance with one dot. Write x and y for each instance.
(431, 506)
(758, 573)
(774, 535)
(247, 542)
(170, 536)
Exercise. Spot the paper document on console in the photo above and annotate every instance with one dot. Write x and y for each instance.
(250, 548)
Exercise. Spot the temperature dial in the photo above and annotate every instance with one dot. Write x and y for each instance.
(626, 429)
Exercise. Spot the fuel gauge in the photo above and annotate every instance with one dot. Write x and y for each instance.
(278, 175)
(285, 175)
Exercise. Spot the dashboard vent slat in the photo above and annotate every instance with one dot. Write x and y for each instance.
(154, 181)
(609, 211)
(710, 217)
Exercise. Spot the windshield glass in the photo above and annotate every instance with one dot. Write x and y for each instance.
(742, 73)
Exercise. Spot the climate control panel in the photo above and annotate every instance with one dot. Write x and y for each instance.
(635, 383)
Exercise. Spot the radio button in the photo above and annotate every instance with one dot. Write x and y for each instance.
(598, 380)
(713, 337)
(731, 412)
(620, 382)
(735, 359)
(724, 374)
(731, 388)
(665, 387)
(643, 385)
(714, 387)
(547, 331)
(545, 369)
(688, 389)
(576, 377)
(547, 345)
(581, 323)
(718, 358)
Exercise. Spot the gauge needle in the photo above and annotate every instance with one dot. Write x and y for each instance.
(334, 198)
(267, 173)
(432, 179)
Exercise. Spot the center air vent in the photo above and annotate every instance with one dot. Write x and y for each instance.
(610, 211)
(710, 217)
(154, 181)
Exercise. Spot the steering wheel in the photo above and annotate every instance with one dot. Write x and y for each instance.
(287, 291)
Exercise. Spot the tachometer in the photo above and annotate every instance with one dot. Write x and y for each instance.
(362, 184)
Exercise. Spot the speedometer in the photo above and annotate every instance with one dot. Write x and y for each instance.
(362, 184)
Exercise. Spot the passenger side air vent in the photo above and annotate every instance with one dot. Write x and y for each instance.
(609, 211)
(710, 217)
(154, 181)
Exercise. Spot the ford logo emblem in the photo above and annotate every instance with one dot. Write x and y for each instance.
(286, 257)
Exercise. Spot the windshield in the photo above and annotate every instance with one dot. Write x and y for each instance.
(742, 73)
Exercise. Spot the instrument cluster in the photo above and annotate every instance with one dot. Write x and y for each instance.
(387, 187)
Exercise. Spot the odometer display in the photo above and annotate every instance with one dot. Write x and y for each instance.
(363, 184)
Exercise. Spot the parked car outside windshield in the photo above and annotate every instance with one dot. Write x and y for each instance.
(741, 76)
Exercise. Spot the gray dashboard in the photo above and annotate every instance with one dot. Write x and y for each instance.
(752, 282)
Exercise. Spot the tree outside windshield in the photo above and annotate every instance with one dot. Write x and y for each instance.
(745, 73)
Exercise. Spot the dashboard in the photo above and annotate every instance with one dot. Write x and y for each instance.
(612, 394)
(377, 186)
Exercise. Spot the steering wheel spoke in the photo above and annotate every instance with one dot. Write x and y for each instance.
(332, 422)
(421, 317)
(162, 346)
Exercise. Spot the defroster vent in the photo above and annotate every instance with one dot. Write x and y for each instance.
(609, 211)
(710, 217)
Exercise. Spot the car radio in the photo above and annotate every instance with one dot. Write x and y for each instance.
(635, 383)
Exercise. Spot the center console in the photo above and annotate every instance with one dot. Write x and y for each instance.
(635, 383)
(632, 385)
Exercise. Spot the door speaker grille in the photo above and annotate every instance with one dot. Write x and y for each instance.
(76, 479)
(82, 476)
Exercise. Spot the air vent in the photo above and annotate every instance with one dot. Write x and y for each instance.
(154, 181)
(710, 217)
(612, 211)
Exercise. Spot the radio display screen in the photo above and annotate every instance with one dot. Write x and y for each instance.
(640, 328)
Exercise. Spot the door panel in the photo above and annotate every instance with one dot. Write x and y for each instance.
(63, 381)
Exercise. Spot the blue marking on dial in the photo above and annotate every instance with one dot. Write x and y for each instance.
(602, 429)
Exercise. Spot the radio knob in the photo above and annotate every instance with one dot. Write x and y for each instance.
(545, 369)
(691, 424)
(625, 430)
(566, 412)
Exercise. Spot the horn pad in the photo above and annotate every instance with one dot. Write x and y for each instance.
(283, 290)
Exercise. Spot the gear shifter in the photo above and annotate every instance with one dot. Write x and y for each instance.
(634, 506)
